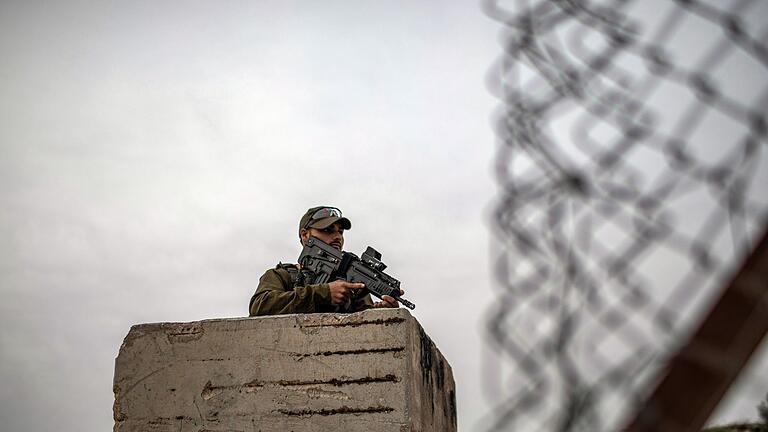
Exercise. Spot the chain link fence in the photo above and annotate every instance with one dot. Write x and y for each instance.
(632, 170)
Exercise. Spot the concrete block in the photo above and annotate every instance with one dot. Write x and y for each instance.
(371, 371)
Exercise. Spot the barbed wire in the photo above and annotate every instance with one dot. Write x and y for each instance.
(631, 161)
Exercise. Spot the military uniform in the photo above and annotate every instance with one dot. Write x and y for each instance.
(282, 291)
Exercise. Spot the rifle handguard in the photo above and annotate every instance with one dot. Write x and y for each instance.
(324, 263)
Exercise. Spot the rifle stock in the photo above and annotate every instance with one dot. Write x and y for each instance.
(325, 263)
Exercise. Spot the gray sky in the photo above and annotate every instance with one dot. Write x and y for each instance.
(155, 158)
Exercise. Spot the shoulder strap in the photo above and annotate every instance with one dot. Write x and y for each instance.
(294, 276)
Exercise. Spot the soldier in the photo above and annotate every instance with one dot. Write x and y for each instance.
(282, 290)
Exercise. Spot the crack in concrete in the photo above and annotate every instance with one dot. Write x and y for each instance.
(381, 321)
(334, 381)
(185, 334)
(119, 395)
(301, 356)
(211, 391)
(336, 411)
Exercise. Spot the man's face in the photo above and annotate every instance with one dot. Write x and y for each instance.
(333, 235)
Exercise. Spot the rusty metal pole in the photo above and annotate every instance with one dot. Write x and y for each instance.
(698, 377)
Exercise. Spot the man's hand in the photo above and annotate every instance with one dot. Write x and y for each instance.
(388, 302)
(341, 290)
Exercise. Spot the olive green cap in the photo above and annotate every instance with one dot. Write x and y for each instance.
(314, 219)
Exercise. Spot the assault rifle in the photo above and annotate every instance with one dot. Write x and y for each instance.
(324, 264)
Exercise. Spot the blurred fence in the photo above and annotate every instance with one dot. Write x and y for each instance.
(633, 179)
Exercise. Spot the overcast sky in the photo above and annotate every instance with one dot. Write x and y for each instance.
(155, 158)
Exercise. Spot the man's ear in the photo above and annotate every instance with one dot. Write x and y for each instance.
(303, 235)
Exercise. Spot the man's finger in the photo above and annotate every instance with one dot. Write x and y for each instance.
(389, 300)
(355, 285)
